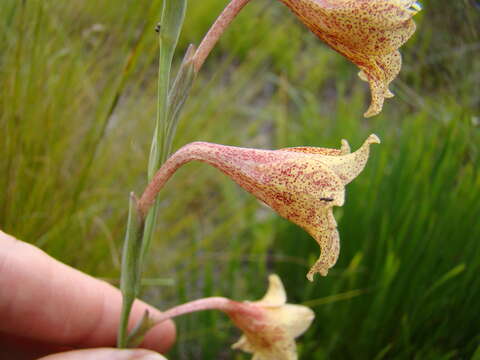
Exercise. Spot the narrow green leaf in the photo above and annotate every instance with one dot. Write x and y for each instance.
(178, 94)
(347, 295)
(137, 334)
(137, 243)
(173, 14)
(457, 270)
(130, 275)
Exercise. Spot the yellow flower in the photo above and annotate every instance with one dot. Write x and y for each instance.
(367, 32)
(302, 184)
(270, 334)
(269, 325)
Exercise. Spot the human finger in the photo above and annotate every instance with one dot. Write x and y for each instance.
(105, 354)
(45, 300)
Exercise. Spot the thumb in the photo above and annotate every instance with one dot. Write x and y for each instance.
(106, 354)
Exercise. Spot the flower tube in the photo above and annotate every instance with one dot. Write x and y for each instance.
(301, 184)
(269, 325)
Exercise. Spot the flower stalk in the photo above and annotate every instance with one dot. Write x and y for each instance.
(131, 267)
(216, 31)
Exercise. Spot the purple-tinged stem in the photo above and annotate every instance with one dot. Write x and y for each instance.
(194, 151)
(210, 303)
(216, 30)
(160, 178)
(230, 307)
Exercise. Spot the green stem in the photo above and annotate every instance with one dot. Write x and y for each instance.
(172, 19)
(173, 14)
(131, 271)
(169, 102)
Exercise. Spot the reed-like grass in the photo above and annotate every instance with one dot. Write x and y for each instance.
(77, 110)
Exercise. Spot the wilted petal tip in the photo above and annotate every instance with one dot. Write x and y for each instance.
(416, 6)
(373, 139)
(374, 109)
(345, 148)
(388, 94)
(276, 295)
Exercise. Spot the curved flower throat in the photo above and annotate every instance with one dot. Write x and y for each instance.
(367, 32)
(301, 184)
(270, 325)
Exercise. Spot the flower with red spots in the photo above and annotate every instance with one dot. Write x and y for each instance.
(269, 325)
(366, 32)
(301, 184)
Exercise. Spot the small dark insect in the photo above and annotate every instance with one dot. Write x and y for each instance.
(158, 27)
(327, 199)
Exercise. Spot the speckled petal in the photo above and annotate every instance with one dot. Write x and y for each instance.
(301, 184)
(276, 295)
(329, 241)
(345, 149)
(367, 32)
(286, 350)
(244, 345)
(379, 76)
(296, 319)
(281, 325)
(349, 166)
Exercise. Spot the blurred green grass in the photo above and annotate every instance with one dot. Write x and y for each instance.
(76, 114)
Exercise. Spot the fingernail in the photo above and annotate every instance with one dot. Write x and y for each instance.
(145, 355)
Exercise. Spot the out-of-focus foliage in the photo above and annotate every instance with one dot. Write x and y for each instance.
(76, 122)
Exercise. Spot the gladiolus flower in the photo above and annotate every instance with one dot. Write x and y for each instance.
(269, 325)
(302, 184)
(366, 32)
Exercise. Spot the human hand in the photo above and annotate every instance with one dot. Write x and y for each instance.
(47, 307)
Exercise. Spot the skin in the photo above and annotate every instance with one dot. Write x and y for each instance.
(47, 307)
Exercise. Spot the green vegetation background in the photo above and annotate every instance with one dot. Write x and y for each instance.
(77, 106)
